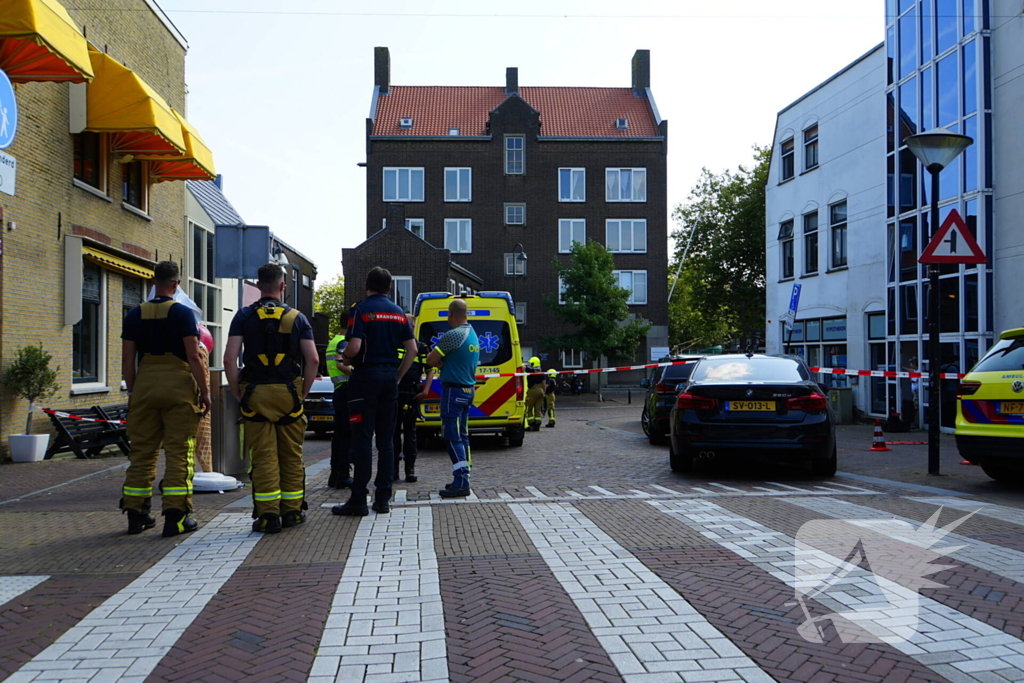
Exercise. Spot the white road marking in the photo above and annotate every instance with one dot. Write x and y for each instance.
(386, 618)
(949, 642)
(127, 636)
(535, 491)
(1000, 512)
(603, 492)
(13, 586)
(645, 626)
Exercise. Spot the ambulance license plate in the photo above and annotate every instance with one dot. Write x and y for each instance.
(1011, 408)
(750, 406)
(432, 409)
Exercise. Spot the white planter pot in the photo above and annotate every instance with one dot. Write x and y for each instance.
(28, 447)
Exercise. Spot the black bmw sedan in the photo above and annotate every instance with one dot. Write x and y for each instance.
(319, 406)
(746, 406)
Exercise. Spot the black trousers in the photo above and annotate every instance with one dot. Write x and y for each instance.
(372, 393)
(341, 441)
(405, 429)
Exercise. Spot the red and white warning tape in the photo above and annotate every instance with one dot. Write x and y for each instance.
(59, 413)
(821, 371)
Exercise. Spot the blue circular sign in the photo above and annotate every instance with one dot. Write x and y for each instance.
(8, 111)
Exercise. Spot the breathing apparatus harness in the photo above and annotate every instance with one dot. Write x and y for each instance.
(277, 364)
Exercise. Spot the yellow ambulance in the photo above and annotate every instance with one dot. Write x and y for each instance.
(499, 406)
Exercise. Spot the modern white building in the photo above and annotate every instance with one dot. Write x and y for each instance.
(957, 64)
(826, 221)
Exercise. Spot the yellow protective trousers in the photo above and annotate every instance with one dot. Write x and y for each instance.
(164, 409)
(534, 400)
(551, 409)
(278, 477)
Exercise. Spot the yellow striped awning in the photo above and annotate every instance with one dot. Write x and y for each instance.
(40, 42)
(137, 119)
(116, 263)
(195, 164)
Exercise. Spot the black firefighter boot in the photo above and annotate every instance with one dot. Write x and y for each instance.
(178, 522)
(140, 520)
(410, 470)
(381, 501)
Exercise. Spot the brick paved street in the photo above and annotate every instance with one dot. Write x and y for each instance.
(579, 557)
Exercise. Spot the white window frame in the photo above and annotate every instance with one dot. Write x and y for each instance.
(520, 265)
(565, 194)
(515, 205)
(561, 290)
(101, 341)
(462, 189)
(416, 226)
(520, 312)
(613, 191)
(616, 228)
(211, 319)
(571, 226)
(835, 227)
(452, 286)
(396, 282)
(632, 301)
(511, 153)
(572, 359)
(464, 243)
(412, 171)
(787, 242)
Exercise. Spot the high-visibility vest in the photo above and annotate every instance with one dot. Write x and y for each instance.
(334, 350)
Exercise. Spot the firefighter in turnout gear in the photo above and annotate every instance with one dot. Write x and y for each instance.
(341, 440)
(168, 394)
(550, 390)
(279, 364)
(534, 395)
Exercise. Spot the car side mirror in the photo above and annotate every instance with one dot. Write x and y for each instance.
(645, 383)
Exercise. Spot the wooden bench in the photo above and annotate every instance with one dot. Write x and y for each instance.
(83, 438)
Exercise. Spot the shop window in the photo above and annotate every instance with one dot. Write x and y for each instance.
(135, 185)
(87, 336)
(90, 160)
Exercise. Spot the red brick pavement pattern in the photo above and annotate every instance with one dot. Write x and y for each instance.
(745, 603)
(978, 593)
(19, 479)
(508, 619)
(263, 625)
(322, 538)
(34, 620)
(479, 531)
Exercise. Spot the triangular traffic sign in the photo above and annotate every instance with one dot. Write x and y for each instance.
(953, 243)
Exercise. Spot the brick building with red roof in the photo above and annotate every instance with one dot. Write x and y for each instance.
(480, 170)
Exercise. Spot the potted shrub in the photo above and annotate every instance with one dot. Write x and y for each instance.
(31, 378)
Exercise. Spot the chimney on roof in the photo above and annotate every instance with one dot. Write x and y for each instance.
(511, 80)
(382, 69)
(641, 71)
(394, 216)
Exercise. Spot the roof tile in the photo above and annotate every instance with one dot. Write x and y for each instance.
(564, 112)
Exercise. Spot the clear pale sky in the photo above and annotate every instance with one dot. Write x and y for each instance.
(281, 95)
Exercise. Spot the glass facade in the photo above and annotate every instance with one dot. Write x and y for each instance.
(937, 74)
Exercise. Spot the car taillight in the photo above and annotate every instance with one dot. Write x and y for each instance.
(663, 388)
(687, 401)
(519, 388)
(813, 401)
(969, 388)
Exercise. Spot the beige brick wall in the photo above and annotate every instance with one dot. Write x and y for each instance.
(48, 207)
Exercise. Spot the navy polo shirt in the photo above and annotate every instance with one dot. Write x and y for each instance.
(383, 328)
(163, 336)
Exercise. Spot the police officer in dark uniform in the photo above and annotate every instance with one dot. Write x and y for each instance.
(407, 409)
(377, 329)
(279, 365)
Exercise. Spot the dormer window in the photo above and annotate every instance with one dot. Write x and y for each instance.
(453, 131)
(405, 123)
(622, 124)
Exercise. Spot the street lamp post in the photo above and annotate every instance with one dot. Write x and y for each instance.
(935, 149)
(517, 255)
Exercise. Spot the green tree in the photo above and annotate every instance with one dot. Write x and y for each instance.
(329, 299)
(721, 289)
(30, 377)
(596, 306)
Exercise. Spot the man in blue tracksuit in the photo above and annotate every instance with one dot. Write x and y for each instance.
(458, 353)
(377, 329)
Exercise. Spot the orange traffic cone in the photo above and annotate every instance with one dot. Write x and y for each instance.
(878, 443)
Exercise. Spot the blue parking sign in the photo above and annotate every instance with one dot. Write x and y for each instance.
(8, 111)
